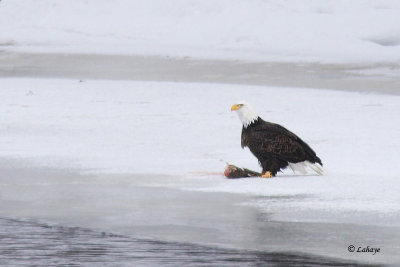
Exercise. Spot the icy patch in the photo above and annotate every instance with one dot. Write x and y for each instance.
(386, 41)
(6, 42)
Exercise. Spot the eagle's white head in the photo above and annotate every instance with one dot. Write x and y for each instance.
(246, 113)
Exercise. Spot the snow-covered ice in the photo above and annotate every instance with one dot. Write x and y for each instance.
(184, 130)
(128, 137)
(334, 31)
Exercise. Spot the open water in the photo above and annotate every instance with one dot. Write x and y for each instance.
(25, 242)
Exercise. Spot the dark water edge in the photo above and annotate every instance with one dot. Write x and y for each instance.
(361, 77)
(24, 242)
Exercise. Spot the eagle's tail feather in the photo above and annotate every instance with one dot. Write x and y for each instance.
(301, 167)
(316, 167)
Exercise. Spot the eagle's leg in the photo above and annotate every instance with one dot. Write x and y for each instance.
(266, 174)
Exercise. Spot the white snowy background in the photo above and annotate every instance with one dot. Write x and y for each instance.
(317, 30)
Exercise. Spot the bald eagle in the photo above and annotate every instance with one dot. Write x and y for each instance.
(274, 146)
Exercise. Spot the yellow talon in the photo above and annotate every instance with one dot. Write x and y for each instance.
(267, 175)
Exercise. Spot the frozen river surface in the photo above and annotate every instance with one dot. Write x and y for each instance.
(115, 115)
(131, 169)
(51, 217)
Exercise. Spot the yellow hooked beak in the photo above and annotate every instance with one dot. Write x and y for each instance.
(235, 107)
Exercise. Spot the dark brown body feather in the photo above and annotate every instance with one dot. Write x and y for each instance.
(274, 146)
